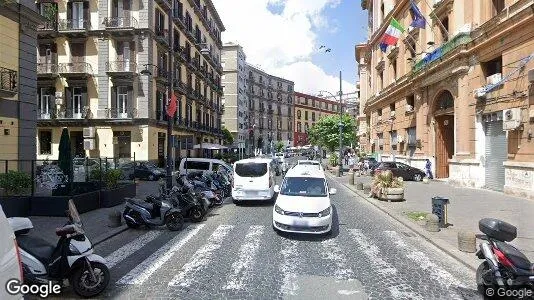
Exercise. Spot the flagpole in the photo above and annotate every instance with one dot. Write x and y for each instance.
(436, 17)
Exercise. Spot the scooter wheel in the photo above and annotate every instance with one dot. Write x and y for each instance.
(196, 214)
(129, 223)
(83, 283)
(174, 221)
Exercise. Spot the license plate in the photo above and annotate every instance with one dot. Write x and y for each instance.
(252, 193)
(300, 223)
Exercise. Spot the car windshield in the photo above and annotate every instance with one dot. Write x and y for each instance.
(251, 169)
(304, 186)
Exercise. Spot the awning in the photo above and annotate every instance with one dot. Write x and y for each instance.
(209, 146)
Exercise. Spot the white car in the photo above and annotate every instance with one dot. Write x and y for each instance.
(303, 203)
(253, 179)
(310, 163)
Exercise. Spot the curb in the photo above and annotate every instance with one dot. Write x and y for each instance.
(411, 226)
(106, 236)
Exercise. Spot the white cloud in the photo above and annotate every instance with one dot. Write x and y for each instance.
(281, 43)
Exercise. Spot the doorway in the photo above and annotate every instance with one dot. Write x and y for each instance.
(76, 140)
(444, 144)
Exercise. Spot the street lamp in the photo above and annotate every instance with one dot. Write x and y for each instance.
(340, 93)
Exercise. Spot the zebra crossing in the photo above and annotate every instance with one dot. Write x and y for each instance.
(339, 258)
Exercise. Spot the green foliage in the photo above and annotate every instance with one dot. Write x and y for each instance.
(334, 159)
(227, 136)
(325, 132)
(279, 146)
(383, 181)
(50, 12)
(110, 177)
(15, 182)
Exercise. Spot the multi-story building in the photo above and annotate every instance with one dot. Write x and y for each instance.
(109, 67)
(458, 92)
(18, 80)
(270, 110)
(235, 99)
(308, 110)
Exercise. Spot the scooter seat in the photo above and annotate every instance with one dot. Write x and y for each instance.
(38, 247)
(141, 203)
(515, 256)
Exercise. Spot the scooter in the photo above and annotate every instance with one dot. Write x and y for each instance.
(194, 181)
(187, 202)
(72, 258)
(504, 267)
(153, 212)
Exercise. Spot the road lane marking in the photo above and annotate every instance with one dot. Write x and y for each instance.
(288, 267)
(382, 267)
(120, 254)
(143, 271)
(333, 252)
(242, 267)
(437, 273)
(201, 258)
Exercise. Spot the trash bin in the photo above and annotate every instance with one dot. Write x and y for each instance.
(439, 208)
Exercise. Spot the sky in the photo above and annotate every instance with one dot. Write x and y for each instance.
(284, 37)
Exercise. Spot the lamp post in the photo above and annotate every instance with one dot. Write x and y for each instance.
(340, 93)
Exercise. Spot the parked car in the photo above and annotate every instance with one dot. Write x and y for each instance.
(192, 164)
(142, 170)
(253, 179)
(400, 170)
(10, 268)
(315, 163)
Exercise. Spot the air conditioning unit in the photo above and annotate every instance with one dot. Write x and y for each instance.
(511, 118)
(400, 139)
(88, 144)
(479, 93)
(409, 108)
(392, 114)
(494, 79)
(89, 132)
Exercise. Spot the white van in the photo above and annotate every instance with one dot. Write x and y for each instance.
(202, 164)
(254, 179)
(11, 267)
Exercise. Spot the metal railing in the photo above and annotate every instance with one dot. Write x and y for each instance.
(47, 68)
(47, 26)
(73, 24)
(121, 66)
(46, 114)
(74, 113)
(8, 80)
(116, 113)
(75, 67)
(120, 22)
(458, 40)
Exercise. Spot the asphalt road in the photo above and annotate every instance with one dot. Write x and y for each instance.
(235, 254)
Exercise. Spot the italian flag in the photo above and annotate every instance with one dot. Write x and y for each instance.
(392, 34)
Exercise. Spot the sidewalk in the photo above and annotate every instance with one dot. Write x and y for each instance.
(95, 223)
(467, 206)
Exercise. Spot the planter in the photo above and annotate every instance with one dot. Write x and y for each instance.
(15, 206)
(392, 194)
(55, 206)
(114, 197)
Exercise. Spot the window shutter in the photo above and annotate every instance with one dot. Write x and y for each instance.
(69, 10)
(126, 4)
(130, 102)
(39, 99)
(114, 99)
(54, 53)
(115, 9)
(68, 100)
(86, 15)
(132, 52)
(52, 93)
(120, 50)
(85, 101)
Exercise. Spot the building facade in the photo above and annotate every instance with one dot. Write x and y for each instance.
(235, 99)
(457, 92)
(270, 110)
(109, 67)
(308, 110)
(18, 80)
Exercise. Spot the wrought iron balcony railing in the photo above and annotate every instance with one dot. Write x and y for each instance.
(74, 113)
(47, 68)
(121, 66)
(73, 25)
(8, 80)
(120, 22)
(116, 113)
(47, 26)
(49, 114)
(75, 67)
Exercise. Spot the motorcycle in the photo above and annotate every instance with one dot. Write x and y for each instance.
(504, 266)
(71, 259)
(200, 186)
(153, 212)
(187, 202)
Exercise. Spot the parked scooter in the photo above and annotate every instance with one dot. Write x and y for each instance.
(504, 266)
(153, 212)
(72, 258)
(195, 181)
(190, 206)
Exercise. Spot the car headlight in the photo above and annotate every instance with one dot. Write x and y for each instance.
(325, 212)
(278, 210)
(74, 250)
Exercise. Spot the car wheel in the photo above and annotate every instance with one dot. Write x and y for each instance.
(236, 202)
(417, 177)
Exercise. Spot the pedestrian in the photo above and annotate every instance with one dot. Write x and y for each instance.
(351, 162)
(428, 169)
(360, 167)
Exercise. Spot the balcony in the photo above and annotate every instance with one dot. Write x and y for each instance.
(47, 29)
(161, 115)
(457, 41)
(121, 25)
(72, 113)
(180, 87)
(179, 19)
(180, 54)
(46, 114)
(161, 75)
(75, 70)
(47, 70)
(165, 4)
(74, 27)
(8, 82)
(162, 37)
(116, 113)
(123, 69)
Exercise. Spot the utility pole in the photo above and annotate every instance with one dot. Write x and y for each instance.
(340, 171)
(169, 92)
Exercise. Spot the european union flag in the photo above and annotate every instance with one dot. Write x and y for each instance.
(418, 18)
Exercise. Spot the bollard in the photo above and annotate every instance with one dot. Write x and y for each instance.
(432, 223)
(115, 219)
(439, 208)
(467, 241)
(359, 186)
(351, 178)
(366, 189)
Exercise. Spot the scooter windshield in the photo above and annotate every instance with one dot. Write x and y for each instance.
(75, 216)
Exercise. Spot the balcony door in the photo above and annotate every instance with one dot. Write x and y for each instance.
(47, 57)
(122, 101)
(120, 11)
(77, 108)
(46, 102)
(125, 55)
(77, 15)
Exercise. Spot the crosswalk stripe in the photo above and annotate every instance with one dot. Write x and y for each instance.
(242, 267)
(120, 254)
(333, 252)
(288, 267)
(201, 258)
(385, 269)
(440, 275)
(143, 271)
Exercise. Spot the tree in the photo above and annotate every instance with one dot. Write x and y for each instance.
(325, 132)
(65, 154)
(227, 136)
(279, 146)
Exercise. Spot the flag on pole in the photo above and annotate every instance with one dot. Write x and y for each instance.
(172, 106)
(392, 34)
(418, 18)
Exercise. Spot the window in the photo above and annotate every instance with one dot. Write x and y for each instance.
(313, 102)
(122, 101)
(444, 28)
(492, 67)
(411, 137)
(381, 80)
(313, 116)
(393, 135)
(299, 127)
(306, 115)
(497, 6)
(380, 137)
(298, 114)
(394, 68)
(392, 109)
(197, 165)
(410, 103)
(77, 102)
(306, 127)
(304, 186)
(251, 169)
(45, 142)
(306, 101)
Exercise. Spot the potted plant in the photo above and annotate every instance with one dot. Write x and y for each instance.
(387, 187)
(114, 193)
(15, 186)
